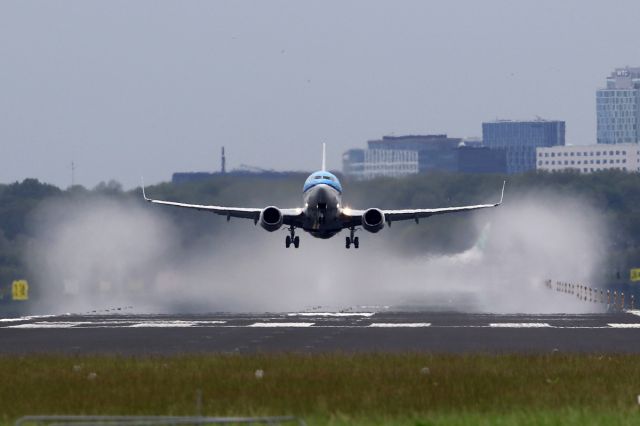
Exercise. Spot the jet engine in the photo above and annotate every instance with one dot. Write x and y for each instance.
(271, 219)
(373, 220)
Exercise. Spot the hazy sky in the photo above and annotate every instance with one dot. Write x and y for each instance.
(126, 88)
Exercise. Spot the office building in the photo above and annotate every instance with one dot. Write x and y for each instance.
(395, 156)
(519, 140)
(618, 107)
(389, 163)
(353, 163)
(471, 159)
(435, 152)
(589, 158)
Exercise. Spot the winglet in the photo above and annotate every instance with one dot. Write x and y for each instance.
(502, 194)
(144, 195)
(324, 156)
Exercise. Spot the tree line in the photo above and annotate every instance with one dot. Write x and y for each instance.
(614, 194)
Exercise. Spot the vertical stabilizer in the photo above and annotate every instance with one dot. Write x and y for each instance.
(324, 156)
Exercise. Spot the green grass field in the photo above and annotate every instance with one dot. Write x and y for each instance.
(334, 389)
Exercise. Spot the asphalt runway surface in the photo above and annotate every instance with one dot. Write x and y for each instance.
(315, 332)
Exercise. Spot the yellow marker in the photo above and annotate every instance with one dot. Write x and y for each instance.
(20, 290)
(635, 274)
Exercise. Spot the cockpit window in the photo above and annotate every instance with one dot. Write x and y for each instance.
(318, 179)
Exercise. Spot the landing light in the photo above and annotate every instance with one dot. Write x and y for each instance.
(347, 210)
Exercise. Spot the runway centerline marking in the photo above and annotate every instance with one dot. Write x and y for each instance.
(348, 320)
(51, 324)
(633, 325)
(169, 324)
(400, 324)
(27, 318)
(519, 324)
(281, 324)
(331, 314)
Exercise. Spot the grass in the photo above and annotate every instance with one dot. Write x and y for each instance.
(336, 389)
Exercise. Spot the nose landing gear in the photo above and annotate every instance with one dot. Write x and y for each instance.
(292, 238)
(322, 212)
(352, 239)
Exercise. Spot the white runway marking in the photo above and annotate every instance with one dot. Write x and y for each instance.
(296, 320)
(624, 325)
(29, 318)
(400, 324)
(331, 314)
(174, 324)
(634, 312)
(281, 324)
(519, 324)
(45, 324)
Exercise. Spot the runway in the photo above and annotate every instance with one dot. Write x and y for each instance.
(317, 332)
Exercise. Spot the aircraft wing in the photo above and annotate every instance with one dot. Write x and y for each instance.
(354, 217)
(290, 216)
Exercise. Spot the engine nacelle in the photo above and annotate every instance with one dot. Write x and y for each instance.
(373, 220)
(271, 219)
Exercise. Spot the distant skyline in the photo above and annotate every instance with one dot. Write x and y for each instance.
(153, 87)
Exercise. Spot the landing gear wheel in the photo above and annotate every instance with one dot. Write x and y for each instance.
(291, 238)
(352, 239)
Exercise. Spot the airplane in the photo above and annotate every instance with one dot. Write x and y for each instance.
(323, 214)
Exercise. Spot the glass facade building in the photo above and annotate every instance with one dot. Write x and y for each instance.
(353, 163)
(519, 140)
(481, 160)
(395, 156)
(389, 163)
(435, 152)
(618, 107)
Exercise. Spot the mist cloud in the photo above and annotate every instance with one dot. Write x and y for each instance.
(100, 253)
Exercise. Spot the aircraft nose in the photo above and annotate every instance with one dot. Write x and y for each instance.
(324, 193)
(321, 195)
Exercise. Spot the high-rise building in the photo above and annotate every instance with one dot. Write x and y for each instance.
(519, 140)
(618, 107)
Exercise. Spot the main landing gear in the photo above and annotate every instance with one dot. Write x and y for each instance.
(292, 238)
(352, 239)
